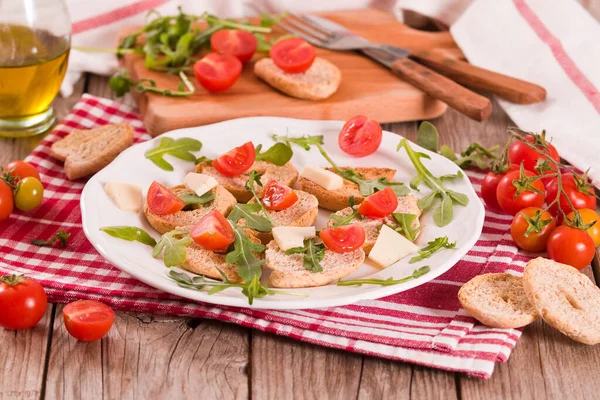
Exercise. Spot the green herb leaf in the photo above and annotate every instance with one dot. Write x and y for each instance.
(304, 141)
(121, 85)
(443, 212)
(249, 213)
(242, 255)
(61, 237)
(202, 159)
(417, 273)
(251, 183)
(313, 254)
(130, 233)
(278, 154)
(174, 245)
(447, 152)
(406, 225)
(180, 148)
(432, 247)
(427, 136)
(267, 20)
(192, 199)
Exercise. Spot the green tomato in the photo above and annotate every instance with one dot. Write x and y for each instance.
(29, 194)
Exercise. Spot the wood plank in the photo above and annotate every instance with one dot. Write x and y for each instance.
(23, 354)
(385, 379)
(282, 368)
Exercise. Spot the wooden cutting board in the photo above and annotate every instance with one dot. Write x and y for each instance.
(367, 88)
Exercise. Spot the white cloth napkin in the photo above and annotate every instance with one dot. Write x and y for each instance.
(553, 44)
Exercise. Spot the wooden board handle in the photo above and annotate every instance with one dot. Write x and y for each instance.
(506, 87)
(467, 102)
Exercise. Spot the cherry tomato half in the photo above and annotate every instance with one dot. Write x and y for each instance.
(520, 152)
(380, 204)
(277, 196)
(360, 136)
(571, 246)
(162, 201)
(213, 232)
(490, 185)
(22, 169)
(23, 302)
(217, 72)
(293, 55)
(534, 240)
(88, 320)
(234, 42)
(343, 239)
(7, 203)
(510, 202)
(29, 195)
(579, 199)
(236, 161)
(588, 216)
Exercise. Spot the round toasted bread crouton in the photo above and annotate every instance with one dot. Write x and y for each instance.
(497, 300)
(564, 298)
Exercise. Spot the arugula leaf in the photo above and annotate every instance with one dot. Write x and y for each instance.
(180, 148)
(121, 85)
(341, 220)
(304, 141)
(443, 212)
(192, 199)
(174, 244)
(417, 273)
(432, 247)
(428, 136)
(254, 180)
(406, 221)
(61, 237)
(202, 159)
(249, 213)
(278, 154)
(313, 254)
(130, 233)
(242, 255)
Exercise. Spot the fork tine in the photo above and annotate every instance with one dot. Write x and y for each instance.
(306, 29)
(310, 39)
(313, 25)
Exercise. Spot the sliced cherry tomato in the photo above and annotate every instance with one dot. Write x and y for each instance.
(510, 202)
(237, 161)
(490, 185)
(7, 203)
(88, 320)
(531, 227)
(29, 195)
(23, 302)
(520, 152)
(360, 136)
(22, 169)
(380, 204)
(571, 246)
(234, 42)
(217, 72)
(343, 239)
(162, 201)
(293, 55)
(588, 216)
(277, 196)
(213, 232)
(581, 194)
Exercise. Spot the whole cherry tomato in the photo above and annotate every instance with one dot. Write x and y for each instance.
(578, 191)
(531, 227)
(571, 246)
(588, 216)
(23, 302)
(22, 169)
(490, 185)
(518, 190)
(7, 202)
(520, 152)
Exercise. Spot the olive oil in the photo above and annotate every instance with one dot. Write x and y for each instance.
(33, 63)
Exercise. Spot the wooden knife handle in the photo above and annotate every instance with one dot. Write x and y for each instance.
(506, 87)
(467, 102)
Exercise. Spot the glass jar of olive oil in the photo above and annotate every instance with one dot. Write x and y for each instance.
(35, 37)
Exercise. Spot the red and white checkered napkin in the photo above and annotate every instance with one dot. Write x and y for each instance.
(425, 325)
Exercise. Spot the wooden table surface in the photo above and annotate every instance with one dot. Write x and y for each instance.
(156, 357)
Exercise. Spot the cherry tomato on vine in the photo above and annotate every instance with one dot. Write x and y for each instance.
(22, 169)
(234, 42)
(518, 190)
(213, 232)
(162, 201)
(520, 152)
(490, 185)
(29, 195)
(277, 196)
(531, 227)
(217, 72)
(343, 239)
(360, 136)
(571, 246)
(23, 302)
(7, 203)
(293, 55)
(380, 204)
(580, 193)
(88, 320)
(236, 161)
(588, 216)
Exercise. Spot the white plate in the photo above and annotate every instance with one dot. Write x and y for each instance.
(135, 258)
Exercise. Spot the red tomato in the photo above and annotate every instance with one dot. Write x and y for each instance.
(22, 169)
(490, 185)
(277, 196)
(360, 136)
(234, 42)
(162, 201)
(506, 193)
(519, 152)
(580, 199)
(380, 204)
(237, 161)
(217, 72)
(7, 202)
(588, 216)
(213, 232)
(23, 302)
(88, 320)
(343, 239)
(571, 246)
(293, 55)
(533, 240)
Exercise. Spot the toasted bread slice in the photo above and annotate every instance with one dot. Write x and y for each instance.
(287, 271)
(406, 205)
(335, 200)
(286, 174)
(86, 152)
(565, 298)
(223, 202)
(205, 262)
(497, 300)
(319, 82)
